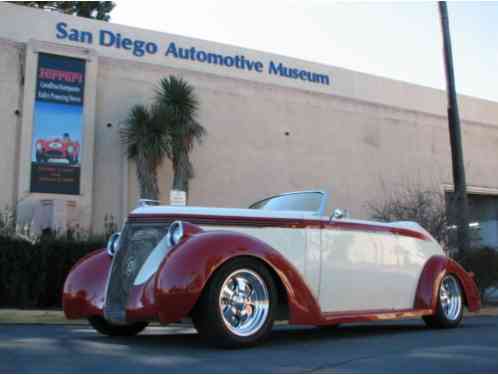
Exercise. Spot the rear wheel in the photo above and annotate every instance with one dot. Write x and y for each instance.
(104, 327)
(449, 309)
(237, 307)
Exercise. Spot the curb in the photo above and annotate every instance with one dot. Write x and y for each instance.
(56, 317)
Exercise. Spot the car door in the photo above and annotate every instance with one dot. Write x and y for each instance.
(360, 269)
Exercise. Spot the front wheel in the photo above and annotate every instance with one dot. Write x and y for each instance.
(104, 327)
(237, 307)
(449, 310)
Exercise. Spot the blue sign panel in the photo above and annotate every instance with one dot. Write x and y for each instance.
(57, 128)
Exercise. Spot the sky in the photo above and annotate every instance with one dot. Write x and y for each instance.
(396, 40)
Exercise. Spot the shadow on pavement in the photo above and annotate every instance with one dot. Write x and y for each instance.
(167, 337)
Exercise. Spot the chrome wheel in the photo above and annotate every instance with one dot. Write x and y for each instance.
(450, 297)
(244, 302)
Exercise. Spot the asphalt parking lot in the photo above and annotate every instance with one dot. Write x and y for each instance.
(405, 346)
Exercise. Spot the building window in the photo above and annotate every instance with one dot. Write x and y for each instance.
(483, 220)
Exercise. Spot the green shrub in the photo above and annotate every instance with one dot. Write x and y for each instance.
(32, 274)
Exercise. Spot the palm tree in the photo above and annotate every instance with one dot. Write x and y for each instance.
(176, 106)
(147, 142)
(167, 128)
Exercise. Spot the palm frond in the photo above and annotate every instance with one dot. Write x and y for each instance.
(177, 98)
(144, 136)
(176, 106)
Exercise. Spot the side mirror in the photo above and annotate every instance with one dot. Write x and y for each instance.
(338, 214)
(113, 244)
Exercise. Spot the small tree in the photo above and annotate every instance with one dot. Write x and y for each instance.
(167, 128)
(177, 106)
(147, 143)
(412, 203)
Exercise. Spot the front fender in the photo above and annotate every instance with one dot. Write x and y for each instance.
(84, 288)
(186, 270)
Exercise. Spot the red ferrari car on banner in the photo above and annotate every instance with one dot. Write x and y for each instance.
(57, 148)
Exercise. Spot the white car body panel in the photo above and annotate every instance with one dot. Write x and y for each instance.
(371, 270)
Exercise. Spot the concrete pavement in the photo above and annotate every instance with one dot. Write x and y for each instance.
(406, 346)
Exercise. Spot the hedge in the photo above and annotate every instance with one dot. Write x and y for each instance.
(32, 275)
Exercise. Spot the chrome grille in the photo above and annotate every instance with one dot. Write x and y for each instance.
(136, 243)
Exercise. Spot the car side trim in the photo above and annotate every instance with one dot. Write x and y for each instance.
(234, 221)
(372, 315)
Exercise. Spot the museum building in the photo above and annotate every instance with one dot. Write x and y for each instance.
(275, 124)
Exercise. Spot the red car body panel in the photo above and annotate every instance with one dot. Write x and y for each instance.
(172, 292)
(191, 265)
(432, 274)
(84, 288)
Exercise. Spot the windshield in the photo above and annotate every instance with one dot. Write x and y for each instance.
(305, 201)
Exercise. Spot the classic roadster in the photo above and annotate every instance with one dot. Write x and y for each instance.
(233, 272)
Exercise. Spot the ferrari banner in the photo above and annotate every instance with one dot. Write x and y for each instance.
(57, 125)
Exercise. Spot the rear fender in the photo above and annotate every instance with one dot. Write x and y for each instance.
(472, 297)
(187, 269)
(430, 279)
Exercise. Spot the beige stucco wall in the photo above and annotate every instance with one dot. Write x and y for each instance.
(354, 150)
(11, 58)
(358, 138)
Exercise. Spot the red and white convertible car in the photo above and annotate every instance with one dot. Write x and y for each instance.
(235, 271)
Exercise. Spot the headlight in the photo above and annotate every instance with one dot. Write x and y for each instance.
(175, 233)
(113, 244)
(70, 149)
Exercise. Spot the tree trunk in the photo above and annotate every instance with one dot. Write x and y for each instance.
(182, 171)
(147, 179)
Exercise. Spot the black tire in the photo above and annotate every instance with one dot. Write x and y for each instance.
(207, 315)
(329, 327)
(441, 319)
(104, 327)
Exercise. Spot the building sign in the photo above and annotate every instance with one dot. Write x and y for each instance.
(174, 50)
(57, 127)
(177, 198)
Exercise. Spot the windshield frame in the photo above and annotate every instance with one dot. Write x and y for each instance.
(320, 212)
